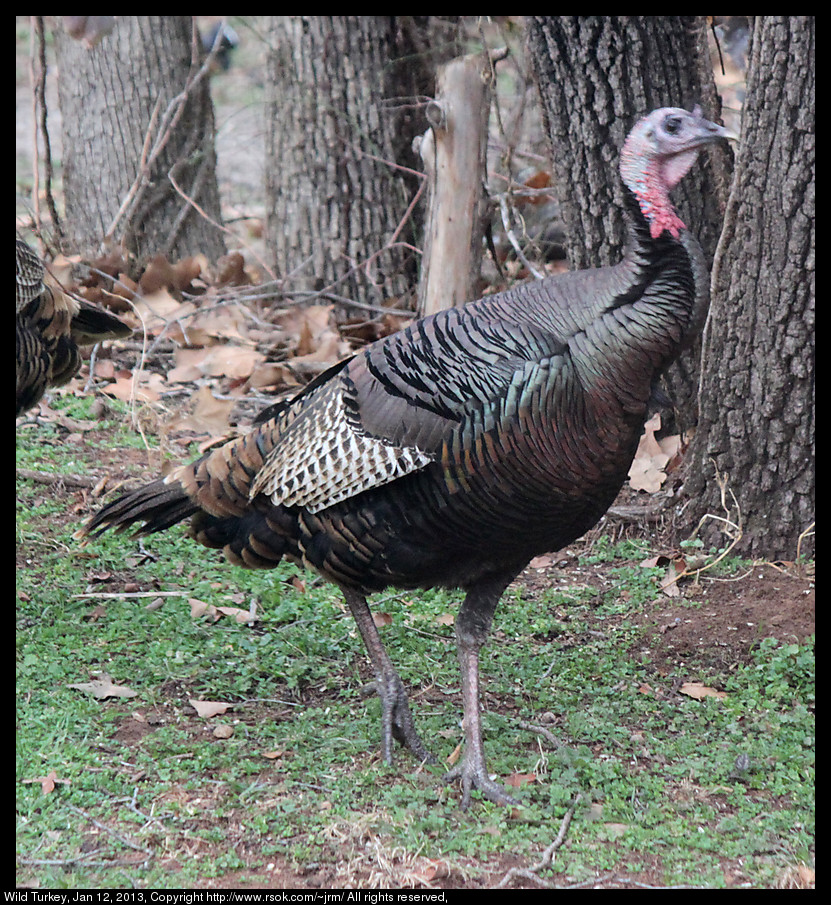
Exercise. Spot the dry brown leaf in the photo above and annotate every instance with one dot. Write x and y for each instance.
(699, 692)
(330, 347)
(103, 687)
(215, 322)
(232, 361)
(669, 583)
(105, 369)
(270, 374)
(148, 387)
(188, 365)
(237, 613)
(647, 469)
(208, 709)
(381, 619)
(200, 608)
(96, 613)
(156, 309)
(454, 755)
(230, 270)
(210, 415)
(446, 619)
(187, 270)
(274, 755)
(47, 784)
(520, 779)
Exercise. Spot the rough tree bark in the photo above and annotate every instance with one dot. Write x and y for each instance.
(756, 431)
(113, 97)
(340, 117)
(597, 75)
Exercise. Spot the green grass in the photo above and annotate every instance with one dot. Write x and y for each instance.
(299, 781)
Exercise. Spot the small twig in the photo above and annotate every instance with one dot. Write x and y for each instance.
(541, 730)
(126, 594)
(808, 532)
(737, 526)
(103, 826)
(130, 198)
(48, 477)
(506, 222)
(202, 213)
(169, 121)
(547, 860)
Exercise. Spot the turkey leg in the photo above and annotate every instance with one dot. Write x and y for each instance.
(472, 626)
(396, 720)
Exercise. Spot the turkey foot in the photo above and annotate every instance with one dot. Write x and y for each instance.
(472, 770)
(396, 720)
(472, 626)
(473, 773)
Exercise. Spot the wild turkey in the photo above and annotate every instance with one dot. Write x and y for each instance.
(49, 327)
(453, 452)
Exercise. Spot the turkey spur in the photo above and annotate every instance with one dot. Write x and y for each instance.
(452, 453)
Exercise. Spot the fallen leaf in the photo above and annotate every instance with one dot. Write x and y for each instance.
(232, 361)
(105, 369)
(188, 365)
(47, 784)
(156, 309)
(210, 415)
(454, 754)
(271, 374)
(95, 614)
(143, 385)
(520, 779)
(275, 754)
(104, 688)
(209, 708)
(381, 619)
(648, 467)
(237, 613)
(698, 691)
(197, 607)
(669, 583)
(446, 619)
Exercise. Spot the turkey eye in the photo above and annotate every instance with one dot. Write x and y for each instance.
(672, 124)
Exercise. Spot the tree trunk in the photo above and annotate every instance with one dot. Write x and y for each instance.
(116, 106)
(340, 119)
(597, 75)
(756, 432)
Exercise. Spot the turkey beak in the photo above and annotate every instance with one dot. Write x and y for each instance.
(729, 134)
(718, 131)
